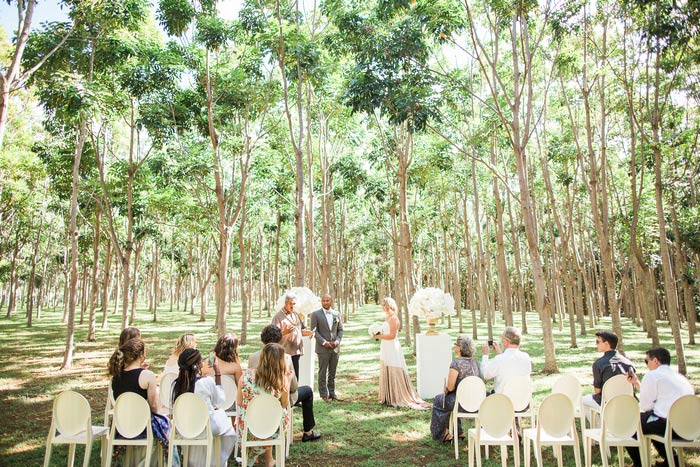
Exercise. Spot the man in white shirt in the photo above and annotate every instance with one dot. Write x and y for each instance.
(507, 363)
(658, 390)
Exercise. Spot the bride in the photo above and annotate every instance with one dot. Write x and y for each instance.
(395, 387)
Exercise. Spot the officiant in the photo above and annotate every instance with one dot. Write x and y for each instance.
(293, 329)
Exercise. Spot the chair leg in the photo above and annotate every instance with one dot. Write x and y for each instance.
(71, 455)
(47, 455)
(470, 454)
(587, 450)
(504, 456)
(559, 456)
(538, 454)
(669, 455)
(603, 457)
(526, 451)
(577, 453)
(149, 453)
(455, 438)
(86, 457)
(621, 456)
(516, 452)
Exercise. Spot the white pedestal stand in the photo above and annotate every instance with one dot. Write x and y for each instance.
(433, 357)
(307, 363)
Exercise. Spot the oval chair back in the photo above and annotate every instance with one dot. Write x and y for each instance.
(555, 415)
(228, 383)
(519, 390)
(165, 390)
(570, 385)
(71, 411)
(132, 415)
(496, 415)
(684, 417)
(471, 392)
(615, 386)
(190, 415)
(620, 416)
(263, 416)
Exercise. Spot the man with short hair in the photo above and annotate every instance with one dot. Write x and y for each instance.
(298, 395)
(292, 326)
(610, 364)
(507, 363)
(328, 329)
(658, 390)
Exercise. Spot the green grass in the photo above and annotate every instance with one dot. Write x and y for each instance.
(357, 432)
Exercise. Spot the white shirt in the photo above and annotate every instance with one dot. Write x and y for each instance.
(329, 318)
(660, 388)
(512, 362)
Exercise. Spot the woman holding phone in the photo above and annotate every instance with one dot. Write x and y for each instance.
(226, 354)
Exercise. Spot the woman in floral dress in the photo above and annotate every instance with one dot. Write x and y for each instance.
(269, 378)
(461, 367)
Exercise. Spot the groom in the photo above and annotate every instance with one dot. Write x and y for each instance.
(329, 331)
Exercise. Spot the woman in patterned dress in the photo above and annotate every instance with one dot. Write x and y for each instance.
(461, 367)
(269, 378)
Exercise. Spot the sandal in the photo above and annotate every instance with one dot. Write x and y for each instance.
(447, 438)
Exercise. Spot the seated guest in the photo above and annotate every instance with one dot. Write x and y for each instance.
(507, 363)
(270, 377)
(610, 364)
(226, 352)
(658, 390)
(461, 367)
(128, 375)
(185, 341)
(298, 395)
(128, 334)
(190, 380)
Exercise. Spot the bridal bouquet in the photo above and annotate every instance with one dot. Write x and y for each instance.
(431, 303)
(374, 329)
(307, 301)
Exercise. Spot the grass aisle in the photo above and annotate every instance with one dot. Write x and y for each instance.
(356, 432)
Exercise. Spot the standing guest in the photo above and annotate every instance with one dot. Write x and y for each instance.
(226, 352)
(128, 375)
(293, 329)
(185, 341)
(210, 390)
(395, 387)
(461, 367)
(507, 363)
(658, 390)
(269, 378)
(328, 329)
(610, 364)
(298, 395)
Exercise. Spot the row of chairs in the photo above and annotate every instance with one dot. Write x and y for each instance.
(129, 415)
(495, 422)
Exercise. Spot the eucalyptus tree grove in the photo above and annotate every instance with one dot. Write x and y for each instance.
(534, 159)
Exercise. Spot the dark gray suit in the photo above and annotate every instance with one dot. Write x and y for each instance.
(327, 358)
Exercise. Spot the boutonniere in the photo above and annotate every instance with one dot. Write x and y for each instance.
(335, 318)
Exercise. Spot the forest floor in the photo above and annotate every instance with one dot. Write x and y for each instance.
(356, 432)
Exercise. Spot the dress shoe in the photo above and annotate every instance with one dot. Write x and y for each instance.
(335, 398)
(312, 437)
(325, 398)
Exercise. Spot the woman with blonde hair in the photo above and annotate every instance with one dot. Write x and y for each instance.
(270, 377)
(395, 387)
(185, 341)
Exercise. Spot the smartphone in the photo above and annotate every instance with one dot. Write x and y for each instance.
(490, 343)
(630, 372)
(211, 359)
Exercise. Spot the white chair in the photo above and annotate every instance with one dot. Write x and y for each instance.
(618, 425)
(471, 392)
(684, 420)
(263, 418)
(190, 421)
(132, 415)
(289, 436)
(519, 390)
(228, 383)
(614, 386)
(569, 385)
(556, 426)
(495, 425)
(165, 393)
(109, 406)
(71, 424)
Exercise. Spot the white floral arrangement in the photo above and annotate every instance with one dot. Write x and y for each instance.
(307, 301)
(374, 329)
(431, 302)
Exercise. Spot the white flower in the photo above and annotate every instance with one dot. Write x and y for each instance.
(374, 329)
(431, 303)
(307, 301)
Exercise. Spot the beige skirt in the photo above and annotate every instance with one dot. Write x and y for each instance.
(396, 389)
